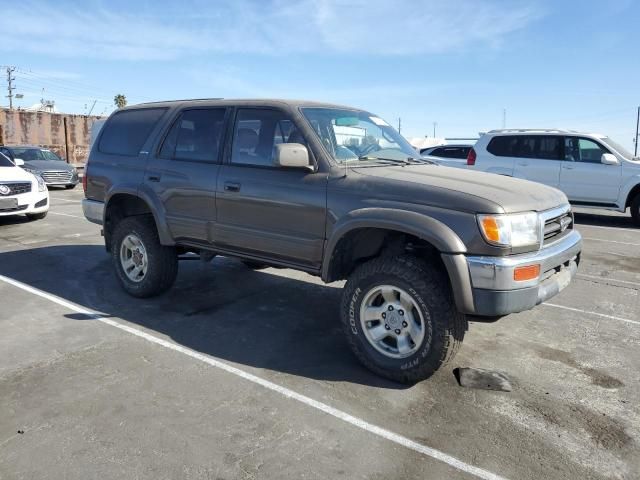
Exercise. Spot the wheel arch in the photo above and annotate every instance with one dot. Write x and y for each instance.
(364, 233)
(129, 202)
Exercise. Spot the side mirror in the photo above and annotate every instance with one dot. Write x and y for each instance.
(609, 159)
(292, 155)
(18, 161)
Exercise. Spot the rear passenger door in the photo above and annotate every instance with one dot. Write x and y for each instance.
(268, 211)
(182, 172)
(538, 158)
(584, 178)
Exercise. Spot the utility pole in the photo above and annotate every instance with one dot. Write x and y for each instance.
(92, 106)
(399, 124)
(10, 86)
(504, 118)
(435, 124)
(635, 154)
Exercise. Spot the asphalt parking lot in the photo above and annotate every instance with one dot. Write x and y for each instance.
(240, 374)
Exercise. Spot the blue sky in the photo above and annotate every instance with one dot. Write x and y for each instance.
(572, 64)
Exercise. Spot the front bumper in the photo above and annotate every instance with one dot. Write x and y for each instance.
(486, 285)
(32, 202)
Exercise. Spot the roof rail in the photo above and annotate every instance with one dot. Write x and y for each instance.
(532, 130)
(182, 100)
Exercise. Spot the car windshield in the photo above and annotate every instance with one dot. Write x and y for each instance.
(28, 154)
(618, 148)
(355, 135)
(4, 161)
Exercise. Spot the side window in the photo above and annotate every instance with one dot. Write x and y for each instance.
(548, 148)
(257, 132)
(590, 151)
(195, 135)
(438, 152)
(503, 146)
(526, 147)
(126, 132)
(582, 150)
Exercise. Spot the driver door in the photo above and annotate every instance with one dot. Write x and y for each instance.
(584, 178)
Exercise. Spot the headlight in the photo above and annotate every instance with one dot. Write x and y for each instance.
(42, 187)
(31, 170)
(513, 230)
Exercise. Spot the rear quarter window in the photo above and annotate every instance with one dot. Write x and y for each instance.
(127, 131)
(503, 146)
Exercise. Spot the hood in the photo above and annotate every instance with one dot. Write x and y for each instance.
(480, 191)
(15, 174)
(44, 165)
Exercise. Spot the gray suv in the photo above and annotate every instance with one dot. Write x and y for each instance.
(338, 193)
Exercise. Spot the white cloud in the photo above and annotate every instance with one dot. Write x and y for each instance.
(274, 27)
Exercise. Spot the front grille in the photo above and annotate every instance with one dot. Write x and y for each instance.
(17, 188)
(17, 209)
(557, 227)
(57, 176)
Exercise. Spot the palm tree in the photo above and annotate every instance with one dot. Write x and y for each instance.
(120, 100)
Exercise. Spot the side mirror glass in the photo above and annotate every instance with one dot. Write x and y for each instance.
(18, 161)
(292, 155)
(609, 159)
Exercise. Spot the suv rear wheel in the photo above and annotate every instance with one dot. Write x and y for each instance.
(635, 210)
(144, 267)
(400, 318)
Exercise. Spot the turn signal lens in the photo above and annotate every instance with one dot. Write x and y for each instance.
(491, 229)
(528, 272)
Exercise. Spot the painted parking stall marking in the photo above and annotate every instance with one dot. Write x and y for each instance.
(323, 407)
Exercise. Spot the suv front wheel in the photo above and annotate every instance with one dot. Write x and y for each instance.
(144, 267)
(635, 210)
(400, 318)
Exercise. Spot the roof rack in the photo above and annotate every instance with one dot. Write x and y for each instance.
(182, 100)
(532, 130)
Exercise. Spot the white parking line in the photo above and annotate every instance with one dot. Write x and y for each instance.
(595, 277)
(611, 241)
(603, 315)
(66, 200)
(66, 215)
(323, 407)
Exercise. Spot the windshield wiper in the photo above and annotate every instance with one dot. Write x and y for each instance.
(396, 161)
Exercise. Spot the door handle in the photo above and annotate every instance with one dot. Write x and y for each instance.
(154, 178)
(523, 164)
(231, 187)
(568, 167)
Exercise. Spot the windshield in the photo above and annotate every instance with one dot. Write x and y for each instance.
(617, 147)
(354, 135)
(28, 154)
(4, 161)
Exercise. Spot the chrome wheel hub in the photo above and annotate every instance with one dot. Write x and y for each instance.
(391, 321)
(133, 258)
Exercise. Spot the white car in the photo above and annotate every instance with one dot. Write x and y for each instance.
(451, 155)
(21, 192)
(591, 169)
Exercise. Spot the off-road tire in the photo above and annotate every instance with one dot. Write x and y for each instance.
(635, 210)
(444, 325)
(162, 261)
(36, 216)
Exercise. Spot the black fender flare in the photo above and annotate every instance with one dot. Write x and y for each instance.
(417, 224)
(155, 206)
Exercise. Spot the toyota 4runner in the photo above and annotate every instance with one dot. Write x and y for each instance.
(338, 193)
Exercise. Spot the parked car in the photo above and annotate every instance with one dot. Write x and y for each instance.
(338, 193)
(450, 155)
(21, 192)
(45, 163)
(591, 169)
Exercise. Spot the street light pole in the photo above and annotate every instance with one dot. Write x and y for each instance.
(635, 154)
